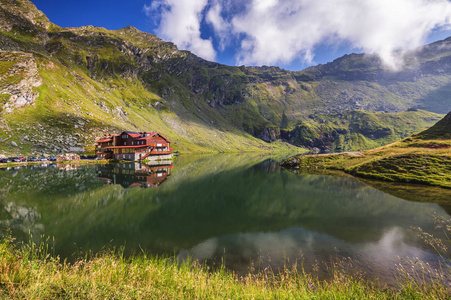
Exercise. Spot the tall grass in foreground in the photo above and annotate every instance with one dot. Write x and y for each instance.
(31, 272)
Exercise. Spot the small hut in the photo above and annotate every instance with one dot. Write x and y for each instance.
(68, 157)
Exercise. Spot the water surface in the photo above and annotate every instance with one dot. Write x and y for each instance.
(242, 210)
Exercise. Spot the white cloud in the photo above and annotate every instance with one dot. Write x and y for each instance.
(279, 31)
(221, 27)
(180, 23)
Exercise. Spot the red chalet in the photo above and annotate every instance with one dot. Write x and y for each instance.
(131, 145)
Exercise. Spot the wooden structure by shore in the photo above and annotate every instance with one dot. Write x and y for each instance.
(134, 146)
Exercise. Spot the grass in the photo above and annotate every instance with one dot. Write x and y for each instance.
(30, 271)
(91, 74)
(130, 80)
(410, 160)
(68, 98)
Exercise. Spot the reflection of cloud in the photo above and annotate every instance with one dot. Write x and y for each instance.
(204, 250)
(391, 240)
(391, 245)
(275, 248)
(263, 247)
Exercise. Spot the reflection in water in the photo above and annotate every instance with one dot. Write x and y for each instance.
(245, 208)
(135, 174)
(67, 167)
(277, 249)
(22, 219)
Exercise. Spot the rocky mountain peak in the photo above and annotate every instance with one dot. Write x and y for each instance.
(22, 15)
(130, 28)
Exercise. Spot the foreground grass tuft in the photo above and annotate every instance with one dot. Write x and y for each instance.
(30, 272)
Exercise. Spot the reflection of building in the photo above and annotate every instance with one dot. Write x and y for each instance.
(67, 167)
(135, 174)
(131, 145)
(68, 157)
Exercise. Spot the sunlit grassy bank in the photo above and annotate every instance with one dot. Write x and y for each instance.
(426, 162)
(29, 272)
(423, 158)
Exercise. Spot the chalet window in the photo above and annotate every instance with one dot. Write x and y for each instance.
(132, 143)
(125, 143)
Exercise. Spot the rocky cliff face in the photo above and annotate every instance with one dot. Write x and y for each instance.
(19, 81)
(130, 79)
(22, 14)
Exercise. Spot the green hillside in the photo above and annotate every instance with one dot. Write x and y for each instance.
(61, 88)
(440, 131)
(423, 158)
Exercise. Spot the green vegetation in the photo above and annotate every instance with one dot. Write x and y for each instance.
(4, 66)
(440, 131)
(96, 80)
(422, 158)
(31, 272)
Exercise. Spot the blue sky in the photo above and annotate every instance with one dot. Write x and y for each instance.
(292, 34)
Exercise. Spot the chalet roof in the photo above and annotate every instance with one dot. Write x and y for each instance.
(104, 140)
(153, 137)
(133, 134)
(137, 136)
(150, 134)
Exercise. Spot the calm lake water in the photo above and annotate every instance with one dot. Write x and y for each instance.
(243, 210)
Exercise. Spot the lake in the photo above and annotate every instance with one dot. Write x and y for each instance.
(240, 210)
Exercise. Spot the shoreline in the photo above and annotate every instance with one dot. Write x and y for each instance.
(413, 166)
(33, 163)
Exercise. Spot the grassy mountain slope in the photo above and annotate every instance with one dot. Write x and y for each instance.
(63, 87)
(423, 158)
(440, 131)
(88, 87)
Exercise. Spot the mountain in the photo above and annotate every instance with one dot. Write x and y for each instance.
(423, 158)
(60, 88)
(440, 131)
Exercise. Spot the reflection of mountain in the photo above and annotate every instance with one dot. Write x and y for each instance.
(258, 199)
(414, 192)
(22, 219)
(135, 174)
(211, 197)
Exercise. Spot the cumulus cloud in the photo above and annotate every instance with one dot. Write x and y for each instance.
(280, 31)
(180, 22)
(221, 27)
